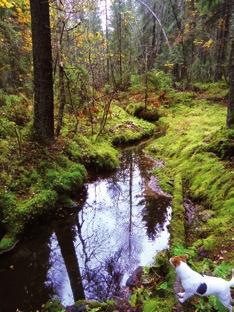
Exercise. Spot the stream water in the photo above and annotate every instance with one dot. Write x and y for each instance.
(120, 223)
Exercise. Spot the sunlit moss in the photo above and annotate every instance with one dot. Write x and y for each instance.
(194, 148)
(95, 154)
(66, 180)
(124, 129)
(212, 90)
(178, 214)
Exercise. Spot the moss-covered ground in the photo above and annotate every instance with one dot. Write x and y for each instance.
(35, 179)
(197, 150)
(198, 154)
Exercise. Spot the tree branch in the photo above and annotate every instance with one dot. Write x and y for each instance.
(158, 20)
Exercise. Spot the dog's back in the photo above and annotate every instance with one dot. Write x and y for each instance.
(215, 285)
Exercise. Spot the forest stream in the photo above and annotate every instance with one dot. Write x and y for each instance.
(120, 223)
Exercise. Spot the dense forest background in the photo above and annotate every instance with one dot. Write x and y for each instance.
(109, 46)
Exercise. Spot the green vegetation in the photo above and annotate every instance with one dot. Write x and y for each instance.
(178, 215)
(209, 179)
(36, 178)
(91, 89)
(198, 157)
(53, 306)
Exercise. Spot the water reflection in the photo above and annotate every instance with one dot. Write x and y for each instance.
(121, 223)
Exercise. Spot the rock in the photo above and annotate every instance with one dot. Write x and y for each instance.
(190, 210)
(201, 252)
(135, 279)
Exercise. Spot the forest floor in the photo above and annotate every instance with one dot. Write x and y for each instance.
(195, 147)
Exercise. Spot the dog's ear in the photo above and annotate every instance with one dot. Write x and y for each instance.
(184, 258)
(175, 261)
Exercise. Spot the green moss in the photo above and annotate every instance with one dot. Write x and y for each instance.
(186, 150)
(7, 242)
(94, 306)
(213, 90)
(182, 97)
(222, 143)
(25, 178)
(178, 214)
(138, 110)
(158, 304)
(38, 204)
(66, 180)
(107, 156)
(17, 215)
(97, 154)
(74, 151)
(209, 243)
(8, 206)
(124, 129)
(53, 306)
(132, 108)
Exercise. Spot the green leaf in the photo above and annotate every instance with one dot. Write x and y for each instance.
(163, 286)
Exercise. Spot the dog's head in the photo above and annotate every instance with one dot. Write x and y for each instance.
(175, 261)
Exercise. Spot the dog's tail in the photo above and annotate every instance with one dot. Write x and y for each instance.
(231, 283)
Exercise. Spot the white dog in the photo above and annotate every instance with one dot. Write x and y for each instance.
(202, 285)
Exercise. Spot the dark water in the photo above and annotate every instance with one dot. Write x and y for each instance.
(120, 223)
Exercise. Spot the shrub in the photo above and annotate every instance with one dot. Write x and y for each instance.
(160, 80)
(15, 107)
(136, 84)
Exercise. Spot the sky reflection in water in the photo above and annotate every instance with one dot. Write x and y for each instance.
(120, 226)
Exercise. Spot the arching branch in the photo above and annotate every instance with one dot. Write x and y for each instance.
(158, 20)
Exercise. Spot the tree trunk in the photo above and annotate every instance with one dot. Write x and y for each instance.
(119, 27)
(222, 39)
(43, 123)
(62, 99)
(62, 93)
(107, 45)
(230, 111)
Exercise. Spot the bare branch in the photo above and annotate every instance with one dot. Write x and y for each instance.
(158, 20)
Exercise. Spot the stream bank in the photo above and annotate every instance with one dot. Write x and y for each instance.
(118, 224)
(197, 151)
(34, 182)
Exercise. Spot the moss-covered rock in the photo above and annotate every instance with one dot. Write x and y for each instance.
(66, 180)
(37, 205)
(98, 154)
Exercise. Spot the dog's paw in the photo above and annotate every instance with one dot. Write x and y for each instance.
(181, 300)
(180, 294)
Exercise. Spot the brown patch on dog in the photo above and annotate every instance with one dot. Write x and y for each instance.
(175, 261)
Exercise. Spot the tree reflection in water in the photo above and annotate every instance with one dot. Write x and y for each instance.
(121, 225)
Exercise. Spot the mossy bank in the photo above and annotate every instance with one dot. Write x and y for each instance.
(38, 179)
(197, 151)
